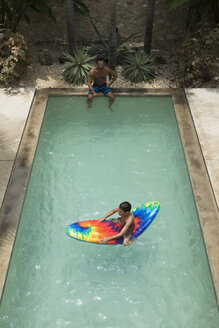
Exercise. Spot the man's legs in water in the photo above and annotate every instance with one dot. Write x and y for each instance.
(110, 95)
(89, 99)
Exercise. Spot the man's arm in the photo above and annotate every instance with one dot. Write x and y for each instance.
(114, 75)
(109, 214)
(90, 81)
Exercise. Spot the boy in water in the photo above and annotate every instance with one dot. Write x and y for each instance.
(98, 75)
(126, 220)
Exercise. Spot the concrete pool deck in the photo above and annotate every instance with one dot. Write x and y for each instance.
(14, 109)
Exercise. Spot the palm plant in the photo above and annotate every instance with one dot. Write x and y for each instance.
(107, 48)
(77, 67)
(113, 48)
(14, 10)
(81, 6)
(138, 67)
(71, 5)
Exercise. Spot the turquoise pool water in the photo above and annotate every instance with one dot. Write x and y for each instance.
(86, 163)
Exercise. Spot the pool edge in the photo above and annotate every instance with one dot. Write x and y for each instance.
(201, 185)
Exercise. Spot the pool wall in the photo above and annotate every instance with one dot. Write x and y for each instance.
(202, 189)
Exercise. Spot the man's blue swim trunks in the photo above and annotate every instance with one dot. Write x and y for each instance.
(101, 88)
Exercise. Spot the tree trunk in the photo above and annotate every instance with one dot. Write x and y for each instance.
(70, 25)
(1, 24)
(112, 36)
(149, 25)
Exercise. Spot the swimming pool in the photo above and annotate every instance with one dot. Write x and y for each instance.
(85, 164)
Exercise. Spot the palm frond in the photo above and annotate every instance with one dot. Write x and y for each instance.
(138, 67)
(76, 68)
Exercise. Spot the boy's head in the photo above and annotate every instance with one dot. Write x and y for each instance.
(125, 207)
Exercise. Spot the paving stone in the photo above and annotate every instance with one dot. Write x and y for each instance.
(204, 107)
(213, 170)
(5, 171)
(14, 109)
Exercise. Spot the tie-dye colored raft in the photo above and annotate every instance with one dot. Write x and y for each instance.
(93, 231)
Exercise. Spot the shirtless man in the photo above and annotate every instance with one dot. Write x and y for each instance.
(126, 221)
(98, 75)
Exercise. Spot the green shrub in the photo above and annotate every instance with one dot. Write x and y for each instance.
(138, 67)
(14, 57)
(77, 67)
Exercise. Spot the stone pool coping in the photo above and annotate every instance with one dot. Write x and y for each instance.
(202, 188)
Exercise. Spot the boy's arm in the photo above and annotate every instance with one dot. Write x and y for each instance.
(118, 235)
(109, 214)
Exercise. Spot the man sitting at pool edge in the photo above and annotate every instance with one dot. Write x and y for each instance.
(98, 75)
(126, 221)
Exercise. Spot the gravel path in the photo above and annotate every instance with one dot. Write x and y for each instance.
(43, 76)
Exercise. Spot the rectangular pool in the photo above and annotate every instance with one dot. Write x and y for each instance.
(86, 163)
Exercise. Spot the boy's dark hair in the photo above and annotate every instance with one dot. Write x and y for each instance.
(125, 206)
(100, 58)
